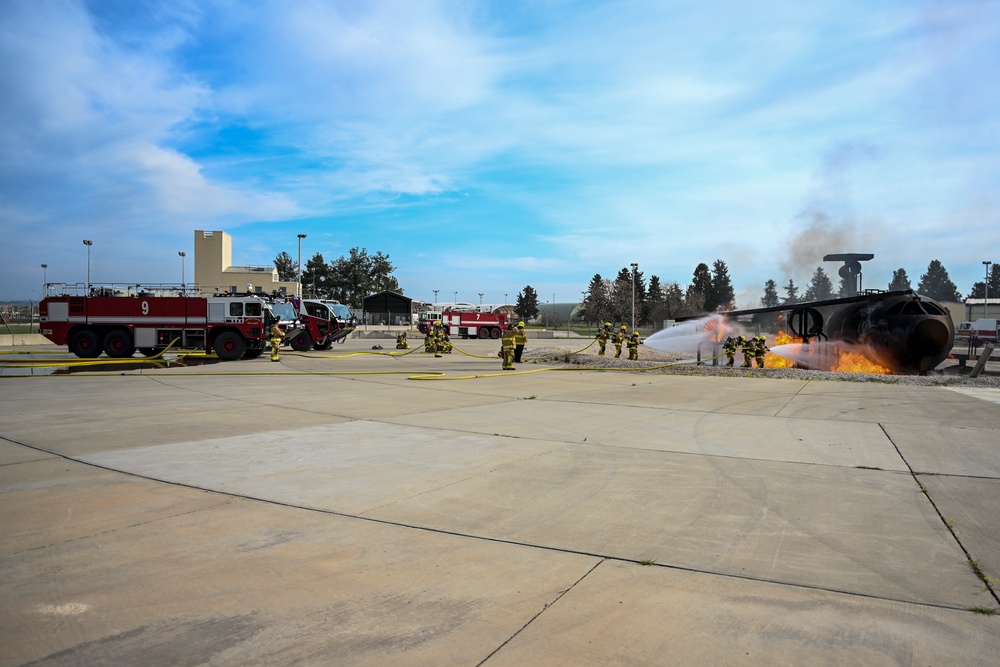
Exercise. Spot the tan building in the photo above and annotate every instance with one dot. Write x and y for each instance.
(214, 271)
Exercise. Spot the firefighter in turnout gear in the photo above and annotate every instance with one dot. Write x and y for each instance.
(275, 336)
(521, 338)
(747, 348)
(633, 346)
(429, 342)
(730, 349)
(619, 341)
(759, 351)
(438, 339)
(508, 345)
(401, 342)
(602, 337)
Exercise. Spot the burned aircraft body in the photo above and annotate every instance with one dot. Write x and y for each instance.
(903, 331)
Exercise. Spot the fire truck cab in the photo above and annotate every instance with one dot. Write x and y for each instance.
(234, 327)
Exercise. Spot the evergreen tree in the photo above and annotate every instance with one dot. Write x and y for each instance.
(359, 274)
(621, 297)
(820, 287)
(286, 267)
(720, 293)
(770, 298)
(316, 281)
(597, 303)
(979, 288)
(527, 303)
(673, 301)
(653, 305)
(937, 285)
(843, 290)
(791, 293)
(696, 296)
(900, 281)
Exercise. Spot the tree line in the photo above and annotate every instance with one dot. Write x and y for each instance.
(347, 279)
(711, 290)
(629, 296)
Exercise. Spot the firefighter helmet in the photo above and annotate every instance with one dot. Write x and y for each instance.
(520, 325)
(624, 327)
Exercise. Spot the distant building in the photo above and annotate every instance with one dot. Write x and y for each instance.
(214, 271)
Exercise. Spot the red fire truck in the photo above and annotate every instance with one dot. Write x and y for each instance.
(233, 326)
(467, 324)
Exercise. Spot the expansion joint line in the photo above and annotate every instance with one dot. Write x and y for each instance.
(541, 611)
(987, 586)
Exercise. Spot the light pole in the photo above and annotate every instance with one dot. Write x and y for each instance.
(505, 298)
(634, 267)
(435, 294)
(986, 290)
(298, 291)
(456, 296)
(88, 244)
(480, 298)
(45, 281)
(182, 255)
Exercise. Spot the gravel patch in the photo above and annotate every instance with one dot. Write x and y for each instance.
(654, 361)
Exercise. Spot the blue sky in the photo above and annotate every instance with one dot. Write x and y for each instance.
(488, 145)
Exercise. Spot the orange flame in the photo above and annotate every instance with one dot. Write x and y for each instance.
(850, 362)
(773, 360)
(716, 330)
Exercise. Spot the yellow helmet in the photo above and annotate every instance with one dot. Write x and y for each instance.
(607, 324)
(520, 325)
(624, 327)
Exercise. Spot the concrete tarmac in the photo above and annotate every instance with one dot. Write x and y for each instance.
(361, 510)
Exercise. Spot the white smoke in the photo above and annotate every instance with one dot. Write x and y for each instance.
(688, 337)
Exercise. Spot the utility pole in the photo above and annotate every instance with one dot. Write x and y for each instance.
(183, 255)
(986, 290)
(88, 244)
(634, 267)
(298, 276)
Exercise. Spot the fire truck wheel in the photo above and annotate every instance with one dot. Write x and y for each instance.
(229, 346)
(85, 344)
(118, 344)
(494, 333)
(484, 332)
(301, 341)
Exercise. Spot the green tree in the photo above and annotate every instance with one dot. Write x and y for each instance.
(770, 298)
(316, 281)
(359, 274)
(791, 293)
(597, 302)
(286, 267)
(900, 281)
(820, 287)
(937, 285)
(527, 303)
(653, 304)
(979, 288)
(720, 293)
(697, 293)
(621, 297)
(673, 302)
